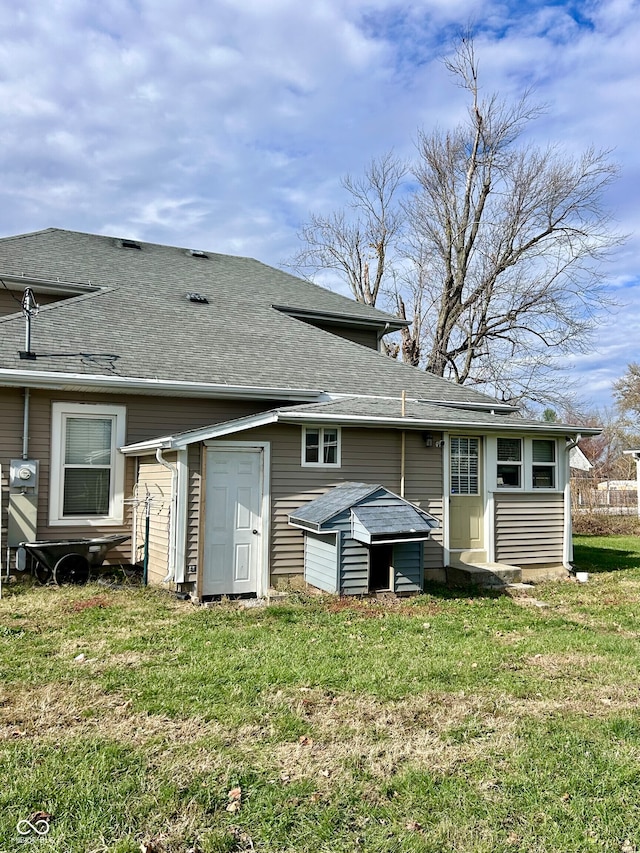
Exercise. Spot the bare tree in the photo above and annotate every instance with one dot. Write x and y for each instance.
(496, 253)
(509, 237)
(356, 243)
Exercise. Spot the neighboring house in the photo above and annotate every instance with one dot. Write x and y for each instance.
(222, 396)
(578, 461)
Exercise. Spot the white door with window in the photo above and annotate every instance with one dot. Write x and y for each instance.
(233, 532)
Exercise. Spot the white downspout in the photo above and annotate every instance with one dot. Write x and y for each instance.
(568, 539)
(25, 424)
(171, 571)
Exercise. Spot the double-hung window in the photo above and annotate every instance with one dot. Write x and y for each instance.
(87, 471)
(509, 469)
(543, 467)
(321, 446)
(526, 463)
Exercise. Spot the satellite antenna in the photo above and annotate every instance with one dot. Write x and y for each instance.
(29, 309)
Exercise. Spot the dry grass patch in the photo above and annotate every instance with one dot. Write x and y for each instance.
(61, 711)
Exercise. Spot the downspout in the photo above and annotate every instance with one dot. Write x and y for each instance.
(381, 338)
(568, 539)
(25, 455)
(172, 515)
(574, 443)
(25, 424)
(403, 442)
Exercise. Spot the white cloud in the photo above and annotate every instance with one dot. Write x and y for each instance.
(223, 126)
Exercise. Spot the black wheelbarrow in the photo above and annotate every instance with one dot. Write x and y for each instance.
(69, 560)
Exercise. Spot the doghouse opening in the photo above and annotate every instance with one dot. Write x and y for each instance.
(380, 559)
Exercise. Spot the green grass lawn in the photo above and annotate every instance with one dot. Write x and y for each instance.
(447, 722)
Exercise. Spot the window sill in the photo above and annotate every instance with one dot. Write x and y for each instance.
(320, 465)
(94, 521)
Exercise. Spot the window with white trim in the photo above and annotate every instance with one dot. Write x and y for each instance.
(509, 468)
(87, 471)
(526, 463)
(321, 446)
(543, 467)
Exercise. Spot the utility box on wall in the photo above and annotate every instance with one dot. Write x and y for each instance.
(23, 474)
(22, 523)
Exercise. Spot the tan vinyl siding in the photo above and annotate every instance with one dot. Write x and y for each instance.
(11, 406)
(364, 337)
(529, 528)
(193, 508)
(147, 417)
(368, 456)
(424, 487)
(154, 480)
(11, 300)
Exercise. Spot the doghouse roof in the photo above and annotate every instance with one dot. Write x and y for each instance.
(377, 514)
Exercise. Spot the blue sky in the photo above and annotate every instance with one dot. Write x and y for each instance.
(223, 124)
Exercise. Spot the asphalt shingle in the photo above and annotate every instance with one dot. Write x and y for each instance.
(142, 325)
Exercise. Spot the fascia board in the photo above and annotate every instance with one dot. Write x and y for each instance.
(304, 525)
(432, 423)
(45, 285)
(178, 441)
(389, 323)
(133, 385)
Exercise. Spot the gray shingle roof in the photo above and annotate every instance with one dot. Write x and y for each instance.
(419, 415)
(336, 500)
(142, 325)
(387, 515)
(394, 520)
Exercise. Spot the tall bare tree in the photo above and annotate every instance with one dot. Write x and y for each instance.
(356, 242)
(509, 239)
(495, 257)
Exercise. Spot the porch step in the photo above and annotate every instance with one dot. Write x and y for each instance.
(492, 575)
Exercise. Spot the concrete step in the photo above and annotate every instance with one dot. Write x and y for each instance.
(491, 575)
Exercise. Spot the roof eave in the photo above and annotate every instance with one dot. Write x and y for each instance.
(138, 385)
(434, 423)
(181, 440)
(46, 285)
(384, 323)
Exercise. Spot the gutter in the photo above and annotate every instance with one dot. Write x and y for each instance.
(180, 440)
(387, 321)
(414, 423)
(132, 385)
(48, 285)
(333, 396)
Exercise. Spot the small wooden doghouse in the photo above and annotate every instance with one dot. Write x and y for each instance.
(361, 538)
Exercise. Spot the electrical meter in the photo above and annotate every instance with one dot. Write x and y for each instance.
(23, 473)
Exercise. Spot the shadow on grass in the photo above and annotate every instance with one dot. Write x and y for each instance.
(456, 592)
(590, 558)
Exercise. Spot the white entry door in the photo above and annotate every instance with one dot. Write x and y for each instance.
(233, 523)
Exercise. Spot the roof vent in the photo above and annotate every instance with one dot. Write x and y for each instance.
(198, 298)
(197, 253)
(129, 244)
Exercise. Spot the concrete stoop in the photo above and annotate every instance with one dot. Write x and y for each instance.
(488, 575)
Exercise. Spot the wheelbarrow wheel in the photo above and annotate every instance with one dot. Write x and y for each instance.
(72, 568)
(42, 573)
